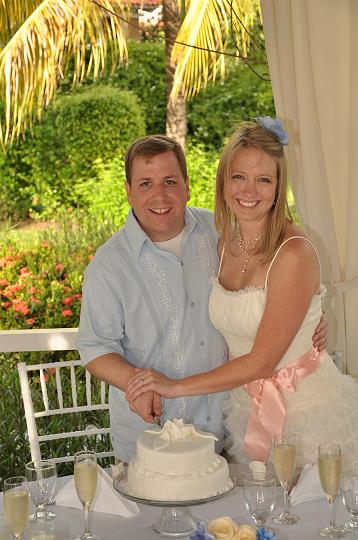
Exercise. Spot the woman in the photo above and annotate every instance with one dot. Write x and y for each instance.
(270, 271)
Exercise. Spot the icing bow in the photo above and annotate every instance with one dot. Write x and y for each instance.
(174, 430)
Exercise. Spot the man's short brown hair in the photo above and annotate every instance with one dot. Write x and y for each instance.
(152, 145)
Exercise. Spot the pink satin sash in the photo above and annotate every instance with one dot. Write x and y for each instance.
(268, 407)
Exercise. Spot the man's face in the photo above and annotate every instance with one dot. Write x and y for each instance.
(158, 194)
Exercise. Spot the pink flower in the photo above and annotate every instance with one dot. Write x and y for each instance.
(30, 320)
(25, 275)
(67, 312)
(45, 244)
(11, 290)
(6, 305)
(24, 270)
(20, 306)
(90, 257)
(4, 283)
(32, 290)
(59, 267)
(6, 260)
(68, 301)
(35, 300)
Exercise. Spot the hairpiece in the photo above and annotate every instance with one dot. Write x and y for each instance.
(274, 126)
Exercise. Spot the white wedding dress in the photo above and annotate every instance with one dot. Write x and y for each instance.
(325, 406)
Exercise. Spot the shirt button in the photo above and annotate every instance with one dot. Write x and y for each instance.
(208, 418)
(202, 343)
(192, 304)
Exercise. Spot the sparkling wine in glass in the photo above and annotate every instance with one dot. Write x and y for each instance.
(41, 476)
(259, 495)
(330, 469)
(16, 504)
(86, 474)
(284, 457)
(349, 491)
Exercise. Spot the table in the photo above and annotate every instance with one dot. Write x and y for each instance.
(314, 515)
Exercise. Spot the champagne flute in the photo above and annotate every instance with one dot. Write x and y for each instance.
(16, 504)
(41, 476)
(86, 474)
(349, 490)
(284, 457)
(330, 469)
(259, 495)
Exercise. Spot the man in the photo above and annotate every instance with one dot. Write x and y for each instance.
(145, 297)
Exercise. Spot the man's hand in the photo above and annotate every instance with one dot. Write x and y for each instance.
(147, 406)
(320, 336)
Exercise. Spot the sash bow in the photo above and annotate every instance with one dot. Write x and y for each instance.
(268, 406)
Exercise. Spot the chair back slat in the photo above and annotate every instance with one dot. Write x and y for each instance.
(59, 388)
(88, 388)
(103, 392)
(44, 389)
(73, 386)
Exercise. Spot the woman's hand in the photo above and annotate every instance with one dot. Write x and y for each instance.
(149, 379)
(320, 336)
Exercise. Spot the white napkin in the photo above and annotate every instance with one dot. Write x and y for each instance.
(308, 487)
(107, 499)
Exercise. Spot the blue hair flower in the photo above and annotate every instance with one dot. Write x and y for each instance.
(201, 533)
(265, 534)
(274, 126)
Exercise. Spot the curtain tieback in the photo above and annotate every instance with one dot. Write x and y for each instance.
(268, 407)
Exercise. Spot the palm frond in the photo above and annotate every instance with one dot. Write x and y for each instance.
(207, 25)
(36, 56)
(13, 13)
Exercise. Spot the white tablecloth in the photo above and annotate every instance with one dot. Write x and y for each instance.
(314, 515)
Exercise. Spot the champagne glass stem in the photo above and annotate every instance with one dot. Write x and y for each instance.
(285, 500)
(332, 523)
(86, 507)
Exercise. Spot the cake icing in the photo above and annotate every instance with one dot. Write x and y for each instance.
(177, 463)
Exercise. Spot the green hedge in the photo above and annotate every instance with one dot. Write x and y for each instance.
(38, 174)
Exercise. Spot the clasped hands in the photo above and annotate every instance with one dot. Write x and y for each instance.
(144, 391)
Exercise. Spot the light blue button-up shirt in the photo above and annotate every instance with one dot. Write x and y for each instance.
(151, 307)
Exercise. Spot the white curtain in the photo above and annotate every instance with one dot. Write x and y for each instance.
(312, 49)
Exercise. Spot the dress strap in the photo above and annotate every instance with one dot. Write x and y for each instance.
(283, 243)
(221, 259)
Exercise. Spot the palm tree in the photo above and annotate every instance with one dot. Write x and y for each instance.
(39, 38)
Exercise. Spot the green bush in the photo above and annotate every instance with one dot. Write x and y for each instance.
(202, 166)
(223, 104)
(145, 76)
(39, 173)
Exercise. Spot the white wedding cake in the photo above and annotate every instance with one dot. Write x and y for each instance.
(177, 463)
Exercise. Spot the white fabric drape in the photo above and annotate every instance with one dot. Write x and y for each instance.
(312, 49)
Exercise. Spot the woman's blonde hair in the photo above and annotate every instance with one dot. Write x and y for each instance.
(253, 135)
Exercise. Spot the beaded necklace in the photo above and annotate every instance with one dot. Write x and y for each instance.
(245, 245)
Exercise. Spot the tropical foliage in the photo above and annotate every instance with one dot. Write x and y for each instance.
(38, 40)
(209, 27)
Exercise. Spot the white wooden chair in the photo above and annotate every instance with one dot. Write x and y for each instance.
(74, 373)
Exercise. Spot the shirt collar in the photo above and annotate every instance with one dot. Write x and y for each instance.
(138, 237)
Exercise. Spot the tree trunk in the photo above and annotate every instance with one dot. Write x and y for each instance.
(176, 124)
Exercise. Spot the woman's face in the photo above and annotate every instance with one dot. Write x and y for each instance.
(251, 188)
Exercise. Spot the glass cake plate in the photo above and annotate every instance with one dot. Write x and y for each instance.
(176, 518)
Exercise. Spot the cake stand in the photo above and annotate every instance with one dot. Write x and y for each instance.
(176, 518)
